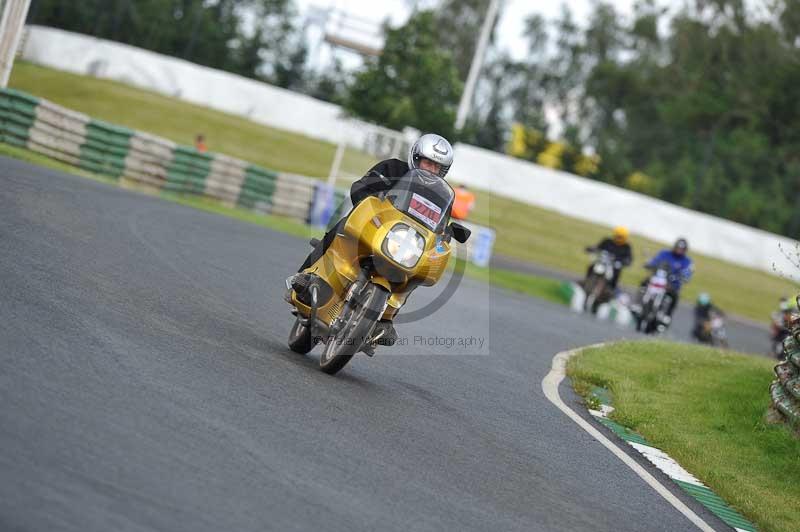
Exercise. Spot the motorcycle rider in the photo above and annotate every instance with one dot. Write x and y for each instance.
(431, 153)
(619, 248)
(703, 311)
(680, 272)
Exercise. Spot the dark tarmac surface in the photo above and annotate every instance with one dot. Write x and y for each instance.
(145, 384)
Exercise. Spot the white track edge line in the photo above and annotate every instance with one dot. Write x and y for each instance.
(550, 388)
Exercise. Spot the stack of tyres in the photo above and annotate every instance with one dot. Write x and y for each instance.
(257, 189)
(105, 148)
(785, 390)
(188, 171)
(18, 114)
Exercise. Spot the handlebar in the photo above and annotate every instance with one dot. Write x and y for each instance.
(380, 176)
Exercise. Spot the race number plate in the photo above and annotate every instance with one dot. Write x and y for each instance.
(425, 211)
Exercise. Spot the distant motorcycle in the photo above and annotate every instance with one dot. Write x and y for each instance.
(597, 284)
(651, 312)
(712, 331)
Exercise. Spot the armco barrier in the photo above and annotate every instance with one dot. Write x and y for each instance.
(119, 152)
(785, 390)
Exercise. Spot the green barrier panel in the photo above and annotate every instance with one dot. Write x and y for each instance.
(20, 119)
(11, 129)
(185, 182)
(188, 170)
(716, 505)
(91, 153)
(18, 115)
(101, 162)
(174, 182)
(111, 149)
(105, 148)
(21, 102)
(109, 134)
(623, 432)
(267, 189)
(90, 166)
(258, 186)
(4, 110)
(250, 199)
(15, 141)
(106, 166)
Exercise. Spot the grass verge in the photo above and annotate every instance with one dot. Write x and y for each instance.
(706, 408)
(531, 285)
(523, 231)
(521, 283)
(181, 122)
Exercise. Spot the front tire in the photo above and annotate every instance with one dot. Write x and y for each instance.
(359, 318)
(300, 340)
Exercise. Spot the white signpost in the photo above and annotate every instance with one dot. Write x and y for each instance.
(11, 28)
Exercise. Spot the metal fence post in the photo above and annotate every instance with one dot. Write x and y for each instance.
(12, 24)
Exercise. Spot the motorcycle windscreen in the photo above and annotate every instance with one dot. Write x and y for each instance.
(425, 197)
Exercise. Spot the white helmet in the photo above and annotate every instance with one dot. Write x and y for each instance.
(433, 147)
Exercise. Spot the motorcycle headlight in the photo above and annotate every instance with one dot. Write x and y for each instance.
(404, 245)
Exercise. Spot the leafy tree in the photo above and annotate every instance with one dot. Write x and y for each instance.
(330, 85)
(213, 34)
(458, 24)
(413, 82)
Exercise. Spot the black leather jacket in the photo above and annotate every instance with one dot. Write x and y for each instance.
(371, 185)
(621, 253)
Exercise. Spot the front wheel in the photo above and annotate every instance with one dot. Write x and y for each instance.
(358, 319)
(300, 340)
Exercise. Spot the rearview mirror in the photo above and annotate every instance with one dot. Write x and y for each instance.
(459, 232)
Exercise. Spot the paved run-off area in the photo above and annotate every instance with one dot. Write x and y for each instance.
(145, 384)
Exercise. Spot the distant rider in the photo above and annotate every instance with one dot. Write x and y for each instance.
(703, 311)
(680, 270)
(619, 248)
(784, 313)
(431, 153)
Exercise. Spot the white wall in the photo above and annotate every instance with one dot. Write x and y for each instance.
(533, 184)
(82, 54)
(605, 204)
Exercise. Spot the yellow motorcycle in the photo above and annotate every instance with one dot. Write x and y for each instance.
(386, 247)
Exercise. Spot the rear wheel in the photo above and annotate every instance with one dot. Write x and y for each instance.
(646, 318)
(588, 288)
(358, 319)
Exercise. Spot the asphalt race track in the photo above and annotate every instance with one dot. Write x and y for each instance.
(145, 384)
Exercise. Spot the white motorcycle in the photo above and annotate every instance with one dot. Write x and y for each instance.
(651, 313)
(599, 281)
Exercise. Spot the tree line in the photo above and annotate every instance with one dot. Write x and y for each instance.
(697, 105)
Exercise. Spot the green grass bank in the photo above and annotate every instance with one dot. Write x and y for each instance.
(523, 231)
(707, 409)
